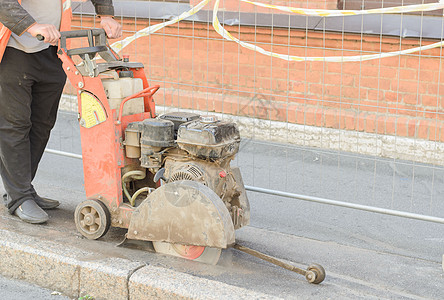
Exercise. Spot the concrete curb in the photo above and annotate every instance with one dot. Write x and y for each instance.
(76, 273)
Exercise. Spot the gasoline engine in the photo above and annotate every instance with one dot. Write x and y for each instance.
(186, 146)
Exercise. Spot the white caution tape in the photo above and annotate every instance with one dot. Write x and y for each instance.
(336, 13)
(118, 46)
(226, 35)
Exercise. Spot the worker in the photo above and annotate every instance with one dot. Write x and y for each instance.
(31, 84)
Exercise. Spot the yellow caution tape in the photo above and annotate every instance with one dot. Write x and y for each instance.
(336, 13)
(118, 46)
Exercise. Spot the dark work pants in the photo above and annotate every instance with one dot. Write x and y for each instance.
(30, 88)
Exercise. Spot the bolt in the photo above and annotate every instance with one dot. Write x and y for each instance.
(76, 72)
(68, 69)
(310, 276)
(80, 85)
(135, 232)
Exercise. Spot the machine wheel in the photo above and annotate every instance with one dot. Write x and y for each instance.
(92, 219)
(203, 254)
(315, 274)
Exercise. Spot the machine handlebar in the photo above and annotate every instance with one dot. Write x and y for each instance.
(97, 41)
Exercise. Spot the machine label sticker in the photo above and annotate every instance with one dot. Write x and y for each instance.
(92, 112)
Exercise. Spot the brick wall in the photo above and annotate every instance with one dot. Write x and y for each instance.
(400, 96)
(236, 5)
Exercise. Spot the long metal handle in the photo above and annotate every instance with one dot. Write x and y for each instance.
(314, 274)
(270, 259)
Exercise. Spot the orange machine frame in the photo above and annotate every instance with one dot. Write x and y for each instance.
(102, 144)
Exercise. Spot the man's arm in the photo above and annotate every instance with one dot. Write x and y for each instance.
(15, 17)
(18, 20)
(104, 7)
(105, 10)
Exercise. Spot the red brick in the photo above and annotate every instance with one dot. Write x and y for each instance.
(370, 123)
(369, 82)
(350, 120)
(350, 92)
(441, 133)
(331, 118)
(372, 71)
(319, 117)
(310, 116)
(423, 129)
(408, 86)
(426, 75)
(300, 115)
(408, 74)
(388, 72)
(380, 123)
(401, 126)
(376, 95)
(411, 128)
(428, 64)
(410, 98)
(390, 96)
(332, 90)
(412, 62)
(361, 121)
(434, 131)
(390, 125)
(427, 100)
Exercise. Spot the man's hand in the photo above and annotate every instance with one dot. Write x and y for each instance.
(112, 28)
(50, 32)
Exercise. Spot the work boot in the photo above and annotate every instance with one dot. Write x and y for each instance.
(30, 212)
(42, 202)
(45, 203)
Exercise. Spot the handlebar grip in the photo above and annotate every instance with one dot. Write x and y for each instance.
(82, 33)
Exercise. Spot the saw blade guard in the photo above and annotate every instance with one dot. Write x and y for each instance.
(184, 212)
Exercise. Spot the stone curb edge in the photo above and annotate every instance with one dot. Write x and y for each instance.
(77, 273)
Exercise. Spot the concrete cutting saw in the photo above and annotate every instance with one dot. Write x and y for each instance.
(166, 178)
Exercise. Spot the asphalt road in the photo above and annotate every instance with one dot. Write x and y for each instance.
(366, 255)
(19, 290)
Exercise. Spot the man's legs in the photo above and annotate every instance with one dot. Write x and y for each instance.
(46, 95)
(30, 88)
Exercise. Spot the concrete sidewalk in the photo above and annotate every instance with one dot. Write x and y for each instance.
(64, 262)
(55, 256)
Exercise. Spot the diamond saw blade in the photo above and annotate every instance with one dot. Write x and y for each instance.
(202, 254)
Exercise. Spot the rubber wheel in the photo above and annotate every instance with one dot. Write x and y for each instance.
(92, 219)
(202, 254)
(319, 272)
